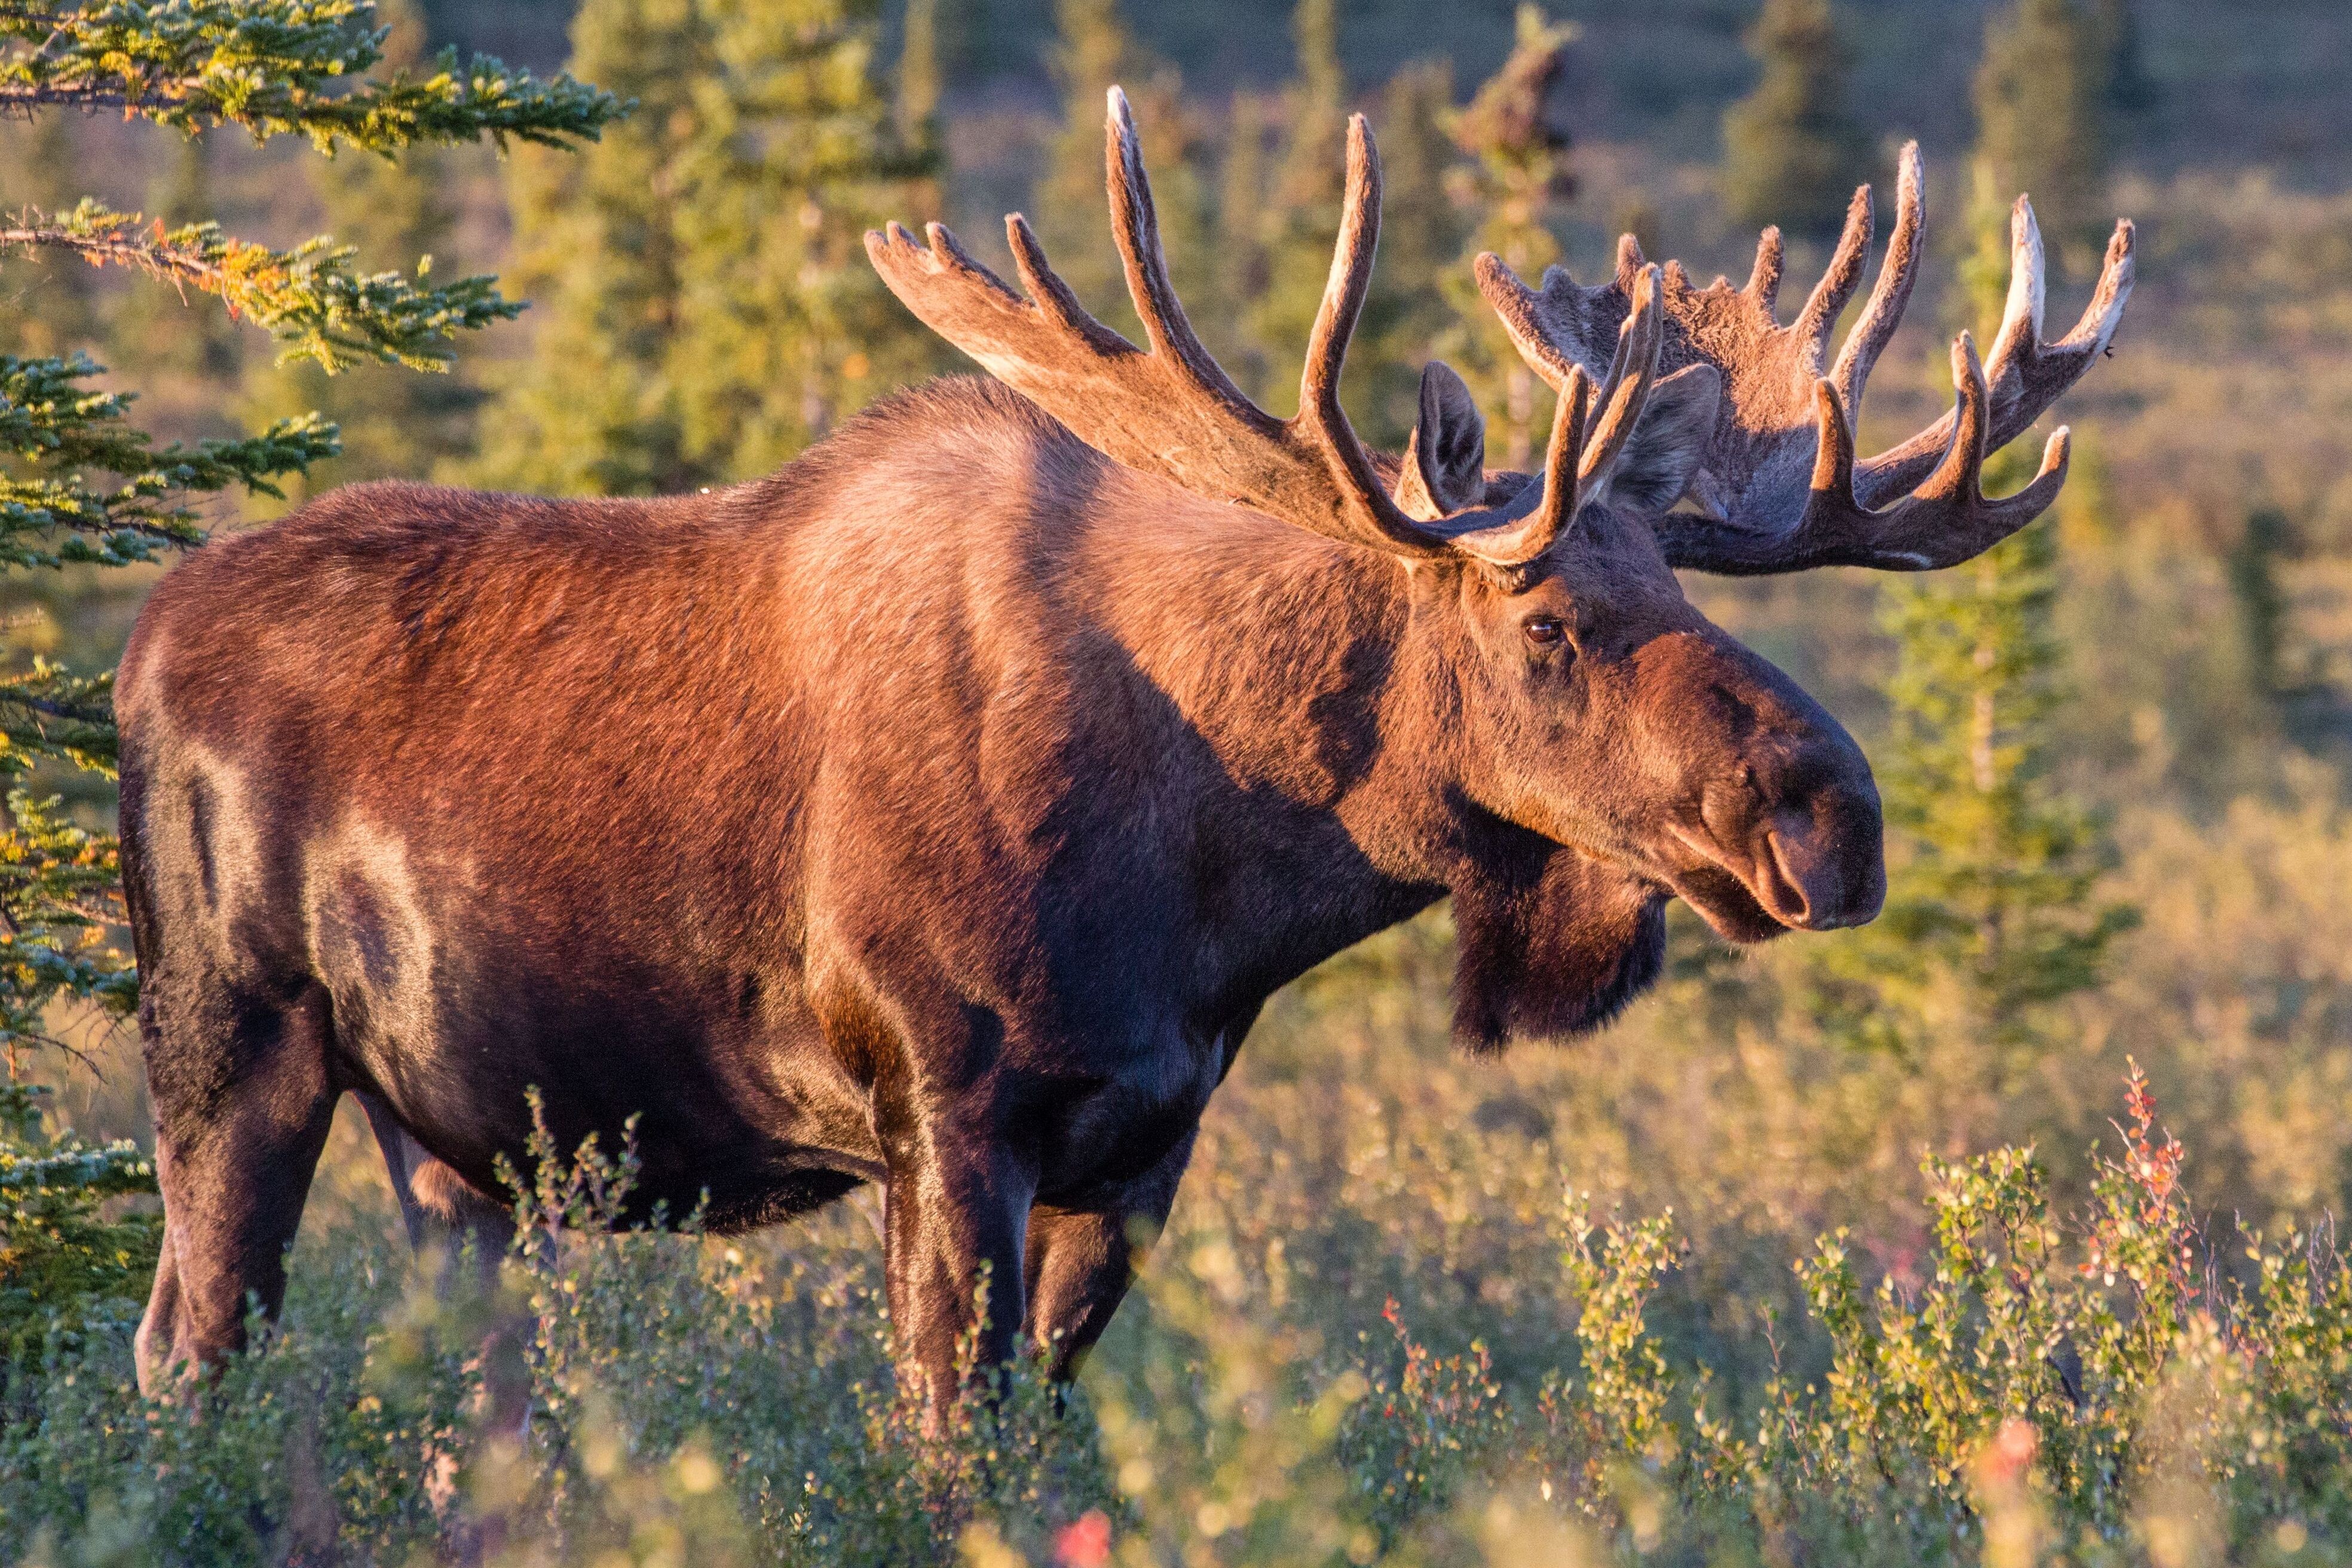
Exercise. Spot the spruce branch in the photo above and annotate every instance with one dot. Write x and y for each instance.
(56, 428)
(310, 298)
(277, 67)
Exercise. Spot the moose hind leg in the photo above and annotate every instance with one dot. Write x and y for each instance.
(243, 1101)
(462, 1234)
(444, 1216)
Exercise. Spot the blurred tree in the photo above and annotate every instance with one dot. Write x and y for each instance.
(1300, 212)
(709, 311)
(1521, 173)
(49, 306)
(162, 332)
(1244, 269)
(1993, 910)
(591, 408)
(2130, 89)
(1792, 152)
(81, 485)
(1095, 53)
(1409, 318)
(393, 424)
(1277, 227)
(923, 73)
(2041, 109)
(2252, 566)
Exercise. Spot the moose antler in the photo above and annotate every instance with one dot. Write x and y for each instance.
(1173, 412)
(1781, 488)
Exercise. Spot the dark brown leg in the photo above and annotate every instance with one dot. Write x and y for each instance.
(444, 1217)
(953, 1216)
(1081, 1260)
(242, 1108)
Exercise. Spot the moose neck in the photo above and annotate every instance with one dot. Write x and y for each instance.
(1304, 670)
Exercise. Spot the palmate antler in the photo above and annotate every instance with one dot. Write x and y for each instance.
(1172, 411)
(1781, 488)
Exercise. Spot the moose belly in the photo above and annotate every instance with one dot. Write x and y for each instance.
(494, 1050)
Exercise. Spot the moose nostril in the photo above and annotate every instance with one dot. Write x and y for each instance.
(1789, 869)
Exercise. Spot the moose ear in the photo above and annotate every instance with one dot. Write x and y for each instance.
(1551, 944)
(1664, 449)
(1446, 461)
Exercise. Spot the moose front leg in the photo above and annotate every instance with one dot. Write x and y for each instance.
(1081, 1259)
(955, 1215)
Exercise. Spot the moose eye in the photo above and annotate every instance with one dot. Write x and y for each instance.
(1545, 631)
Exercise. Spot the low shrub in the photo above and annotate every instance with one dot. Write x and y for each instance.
(2098, 1385)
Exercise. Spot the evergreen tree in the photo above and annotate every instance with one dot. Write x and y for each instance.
(1244, 263)
(922, 74)
(2130, 89)
(159, 334)
(1992, 909)
(1792, 152)
(1301, 208)
(1409, 317)
(2042, 108)
(1521, 175)
(392, 425)
(709, 309)
(47, 308)
(1992, 912)
(81, 484)
(1095, 52)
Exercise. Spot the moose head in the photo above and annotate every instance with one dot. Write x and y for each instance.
(1583, 701)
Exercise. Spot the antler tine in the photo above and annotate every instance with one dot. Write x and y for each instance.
(1319, 409)
(1170, 411)
(1948, 519)
(2021, 313)
(1630, 262)
(1135, 224)
(1842, 277)
(2026, 374)
(1764, 277)
(1520, 310)
(1631, 376)
(1882, 314)
(1514, 543)
(1055, 300)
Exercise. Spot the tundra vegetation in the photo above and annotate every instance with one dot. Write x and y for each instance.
(1873, 1247)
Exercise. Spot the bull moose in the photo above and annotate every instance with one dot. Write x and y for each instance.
(941, 810)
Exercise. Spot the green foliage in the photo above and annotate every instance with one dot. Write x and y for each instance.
(58, 429)
(275, 67)
(48, 308)
(2081, 1354)
(1298, 212)
(62, 1257)
(2081, 1382)
(1792, 153)
(708, 310)
(81, 486)
(392, 423)
(310, 298)
(1993, 910)
(1095, 52)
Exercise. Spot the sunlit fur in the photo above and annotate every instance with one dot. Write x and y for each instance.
(938, 812)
